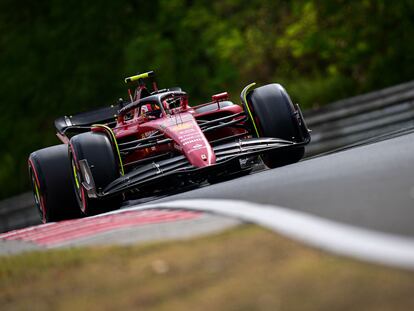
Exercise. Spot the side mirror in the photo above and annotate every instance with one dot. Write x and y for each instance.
(220, 97)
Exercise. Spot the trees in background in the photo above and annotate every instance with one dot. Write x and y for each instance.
(61, 57)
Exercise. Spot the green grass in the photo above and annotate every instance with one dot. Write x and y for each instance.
(247, 268)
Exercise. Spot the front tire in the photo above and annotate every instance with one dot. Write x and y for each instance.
(49, 171)
(96, 149)
(274, 116)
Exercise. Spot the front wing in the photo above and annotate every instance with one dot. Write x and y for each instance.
(235, 155)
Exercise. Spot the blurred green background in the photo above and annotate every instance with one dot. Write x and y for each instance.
(61, 57)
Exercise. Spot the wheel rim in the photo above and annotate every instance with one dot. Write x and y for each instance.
(38, 198)
(36, 192)
(79, 190)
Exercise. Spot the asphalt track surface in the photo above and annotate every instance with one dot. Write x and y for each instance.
(369, 186)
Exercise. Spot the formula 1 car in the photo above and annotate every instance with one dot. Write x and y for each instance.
(156, 141)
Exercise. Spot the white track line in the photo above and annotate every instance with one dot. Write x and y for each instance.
(339, 238)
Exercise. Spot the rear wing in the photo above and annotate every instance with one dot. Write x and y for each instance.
(75, 123)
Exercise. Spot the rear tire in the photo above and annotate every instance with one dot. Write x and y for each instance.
(49, 171)
(96, 149)
(274, 116)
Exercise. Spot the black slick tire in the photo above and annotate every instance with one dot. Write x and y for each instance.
(96, 148)
(51, 178)
(274, 116)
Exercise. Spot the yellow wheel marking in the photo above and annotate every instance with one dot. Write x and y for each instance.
(75, 173)
(245, 92)
(37, 192)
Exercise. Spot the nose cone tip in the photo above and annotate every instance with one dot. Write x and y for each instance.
(205, 159)
(211, 159)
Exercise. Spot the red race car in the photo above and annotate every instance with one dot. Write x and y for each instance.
(157, 141)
